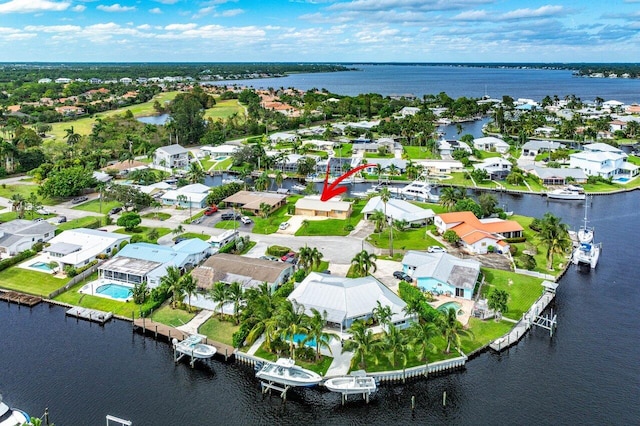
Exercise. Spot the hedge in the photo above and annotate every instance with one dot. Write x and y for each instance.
(6, 263)
(278, 251)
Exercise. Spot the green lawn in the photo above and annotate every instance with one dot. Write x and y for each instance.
(335, 227)
(523, 290)
(157, 216)
(223, 165)
(203, 237)
(82, 222)
(28, 215)
(344, 150)
(6, 191)
(483, 332)
(31, 282)
(144, 232)
(411, 239)
(533, 242)
(418, 152)
(224, 109)
(94, 206)
(437, 208)
(172, 317)
(219, 331)
(271, 223)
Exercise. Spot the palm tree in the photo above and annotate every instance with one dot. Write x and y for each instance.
(235, 295)
(315, 331)
(452, 329)
(17, 204)
(291, 320)
(362, 343)
(279, 179)
(363, 262)
(385, 195)
(219, 295)
(309, 258)
(449, 196)
(189, 286)
(555, 236)
(382, 314)
(34, 203)
(421, 334)
(262, 183)
(178, 230)
(195, 173)
(265, 209)
(171, 280)
(379, 219)
(396, 346)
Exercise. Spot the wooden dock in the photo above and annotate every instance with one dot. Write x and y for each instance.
(529, 319)
(93, 315)
(147, 326)
(20, 298)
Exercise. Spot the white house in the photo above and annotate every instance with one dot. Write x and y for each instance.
(398, 210)
(491, 143)
(447, 147)
(19, 235)
(348, 299)
(441, 167)
(535, 147)
(171, 156)
(496, 167)
(283, 137)
(78, 247)
(408, 111)
(189, 196)
(442, 273)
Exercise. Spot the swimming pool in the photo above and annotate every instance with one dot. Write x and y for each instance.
(220, 158)
(622, 180)
(114, 291)
(42, 266)
(299, 338)
(446, 306)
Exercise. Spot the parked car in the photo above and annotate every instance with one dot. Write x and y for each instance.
(246, 220)
(436, 249)
(230, 216)
(115, 210)
(43, 211)
(179, 240)
(210, 210)
(283, 226)
(272, 258)
(61, 219)
(286, 257)
(38, 219)
(402, 276)
(79, 200)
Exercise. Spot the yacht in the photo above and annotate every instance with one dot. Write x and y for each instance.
(356, 383)
(418, 190)
(585, 233)
(566, 194)
(586, 254)
(12, 416)
(232, 180)
(285, 372)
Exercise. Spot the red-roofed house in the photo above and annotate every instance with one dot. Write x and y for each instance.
(477, 235)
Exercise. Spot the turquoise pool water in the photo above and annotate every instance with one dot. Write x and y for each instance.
(220, 158)
(622, 179)
(115, 291)
(446, 306)
(42, 266)
(299, 338)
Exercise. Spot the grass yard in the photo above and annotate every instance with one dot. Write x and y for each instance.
(533, 244)
(484, 332)
(418, 152)
(157, 216)
(95, 207)
(218, 330)
(271, 223)
(188, 235)
(523, 290)
(333, 226)
(83, 222)
(224, 109)
(222, 165)
(31, 282)
(172, 317)
(411, 239)
(344, 150)
(28, 215)
(437, 208)
(6, 191)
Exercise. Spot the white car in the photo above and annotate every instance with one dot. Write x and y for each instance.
(283, 226)
(43, 211)
(436, 249)
(245, 220)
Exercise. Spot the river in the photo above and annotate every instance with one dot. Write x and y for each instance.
(588, 373)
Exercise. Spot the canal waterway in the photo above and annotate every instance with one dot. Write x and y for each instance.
(588, 373)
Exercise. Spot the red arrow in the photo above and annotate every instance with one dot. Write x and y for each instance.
(330, 191)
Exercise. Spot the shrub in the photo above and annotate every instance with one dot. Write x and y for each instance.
(516, 240)
(349, 228)
(70, 271)
(241, 335)
(5, 263)
(284, 290)
(299, 275)
(136, 238)
(451, 237)
(37, 247)
(513, 250)
(278, 251)
(526, 261)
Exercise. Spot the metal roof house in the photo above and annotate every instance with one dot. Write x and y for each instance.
(347, 299)
(78, 247)
(442, 273)
(19, 235)
(398, 210)
(171, 156)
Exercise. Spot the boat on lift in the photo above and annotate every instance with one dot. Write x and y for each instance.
(193, 347)
(285, 372)
(12, 416)
(356, 383)
(419, 190)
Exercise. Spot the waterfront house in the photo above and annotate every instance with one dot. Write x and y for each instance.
(78, 247)
(346, 300)
(171, 156)
(535, 147)
(496, 167)
(253, 200)
(385, 163)
(477, 235)
(123, 168)
(601, 159)
(441, 167)
(249, 272)
(398, 210)
(492, 144)
(333, 208)
(442, 273)
(558, 176)
(447, 147)
(19, 235)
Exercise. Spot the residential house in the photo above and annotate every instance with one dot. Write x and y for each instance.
(385, 165)
(283, 137)
(409, 111)
(600, 159)
(442, 273)
(249, 272)
(19, 235)
(447, 147)
(440, 167)
(398, 210)
(171, 156)
(496, 167)
(346, 300)
(78, 247)
(253, 200)
(492, 144)
(333, 208)
(535, 147)
(477, 235)
(558, 176)
(123, 168)
(188, 196)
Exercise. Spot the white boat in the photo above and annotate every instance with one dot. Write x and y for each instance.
(586, 253)
(314, 179)
(566, 194)
(285, 372)
(298, 187)
(232, 180)
(193, 347)
(585, 233)
(356, 383)
(12, 416)
(418, 190)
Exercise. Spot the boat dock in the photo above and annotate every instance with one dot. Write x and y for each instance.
(530, 318)
(147, 326)
(93, 315)
(20, 298)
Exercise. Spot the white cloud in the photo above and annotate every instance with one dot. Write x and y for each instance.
(53, 28)
(167, 1)
(79, 8)
(231, 12)
(180, 27)
(31, 6)
(144, 27)
(115, 8)
(155, 10)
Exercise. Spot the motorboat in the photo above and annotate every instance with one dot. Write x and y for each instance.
(12, 416)
(192, 346)
(566, 194)
(585, 233)
(356, 383)
(285, 372)
(298, 187)
(232, 180)
(586, 254)
(314, 178)
(418, 190)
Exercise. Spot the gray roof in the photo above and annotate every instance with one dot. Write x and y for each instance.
(460, 273)
(27, 227)
(546, 173)
(398, 209)
(345, 298)
(62, 248)
(536, 145)
(8, 240)
(128, 265)
(173, 149)
(230, 267)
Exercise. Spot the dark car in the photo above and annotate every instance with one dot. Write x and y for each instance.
(61, 219)
(79, 200)
(115, 210)
(402, 276)
(230, 216)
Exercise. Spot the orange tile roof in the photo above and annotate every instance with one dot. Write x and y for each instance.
(470, 229)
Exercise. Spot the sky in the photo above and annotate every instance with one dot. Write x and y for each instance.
(319, 31)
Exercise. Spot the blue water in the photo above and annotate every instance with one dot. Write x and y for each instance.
(115, 291)
(446, 306)
(220, 158)
(154, 119)
(299, 338)
(42, 266)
